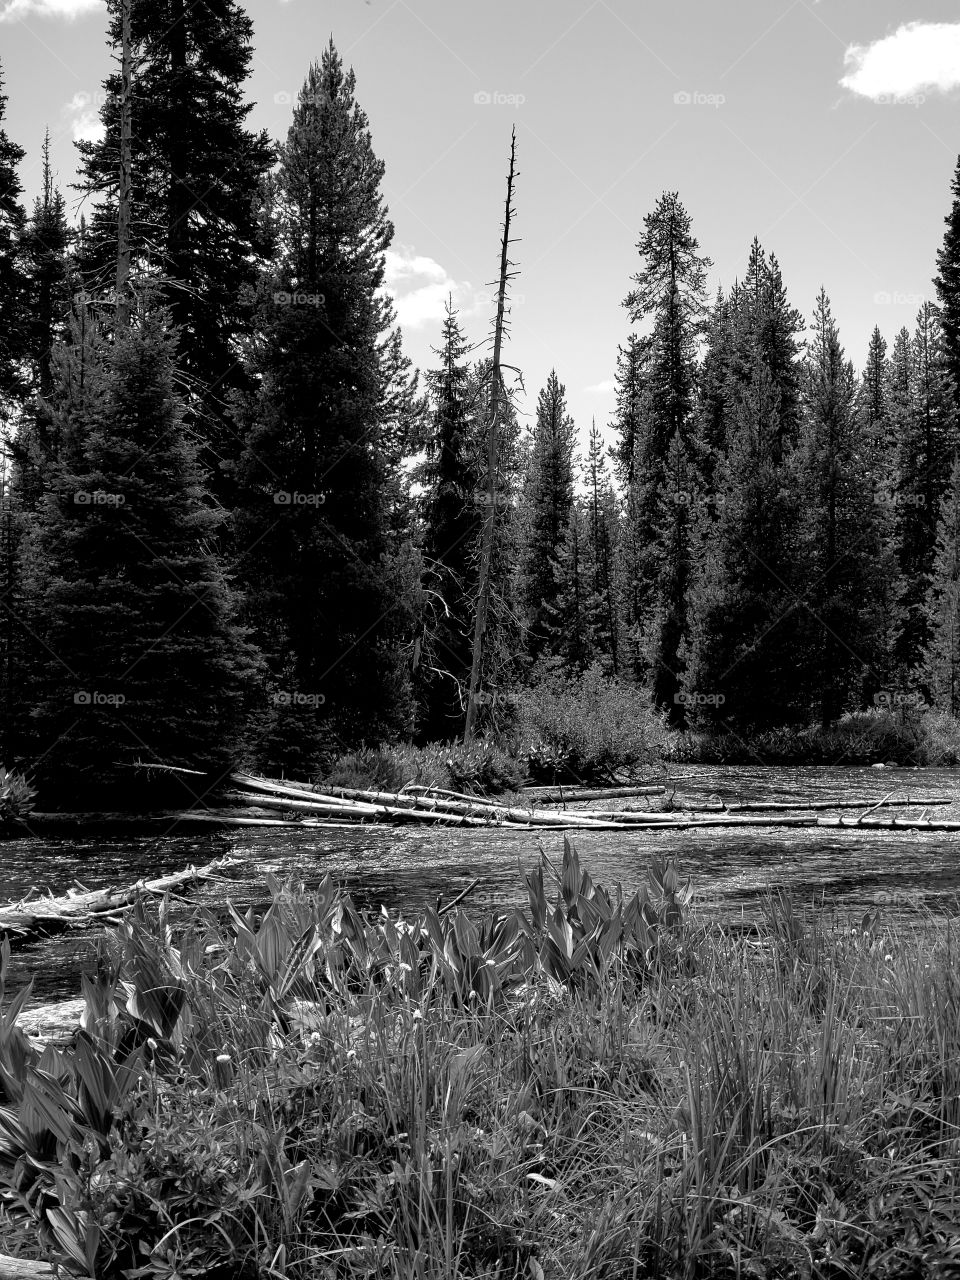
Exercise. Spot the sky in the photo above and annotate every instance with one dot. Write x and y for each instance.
(829, 129)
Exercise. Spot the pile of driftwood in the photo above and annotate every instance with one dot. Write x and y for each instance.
(304, 805)
(34, 916)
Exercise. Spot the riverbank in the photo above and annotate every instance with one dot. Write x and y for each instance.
(587, 1086)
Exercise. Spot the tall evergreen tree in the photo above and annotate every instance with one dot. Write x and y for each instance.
(712, 393)
(47, 243)
(940, 669)
(313, 526)
(12, 287)
(630, 383)
(745, 646)
(569, 611)
(452, 479)
(48, 276)
(670, 291)
(135, 650)
(548, 501)
(927, 447)
(878, 474)
(602, 607)
(196, 175)
(839, 524)
(947, 285)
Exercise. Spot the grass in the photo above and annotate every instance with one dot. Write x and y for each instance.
(591, 1087)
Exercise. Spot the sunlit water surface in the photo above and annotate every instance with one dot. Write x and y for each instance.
(908, 874)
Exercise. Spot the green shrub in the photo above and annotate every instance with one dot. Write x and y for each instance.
(586, 729)
(482, 768)
(17, 796)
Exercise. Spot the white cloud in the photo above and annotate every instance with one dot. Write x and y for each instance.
(917, 56)
(85, 110)
(420, 287)
(602, 388)
(68, 9)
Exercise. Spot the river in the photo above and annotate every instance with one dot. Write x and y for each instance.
(907, 874)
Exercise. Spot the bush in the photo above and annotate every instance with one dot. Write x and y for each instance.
(16, 796)
(585, 729)
(482, 768)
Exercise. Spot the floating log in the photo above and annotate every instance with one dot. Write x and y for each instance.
(720, 820)
(749, 806)
(41, 915)
(892, 824)
(397, 805)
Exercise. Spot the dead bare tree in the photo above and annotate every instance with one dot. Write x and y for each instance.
(497, 394)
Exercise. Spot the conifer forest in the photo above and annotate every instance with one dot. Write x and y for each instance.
(438, 830)
(239, 526)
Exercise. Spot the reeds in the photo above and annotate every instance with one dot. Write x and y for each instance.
(593, 1086)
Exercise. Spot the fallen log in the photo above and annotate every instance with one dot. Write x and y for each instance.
(395, 804)
(720, 820)
(41, 915)
(24, 1269)
(892, 824)
(750, 806)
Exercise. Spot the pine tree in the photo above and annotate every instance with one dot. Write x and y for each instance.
(197, 173)
(926, 413)
(12, 285)
(632, 361)
(839, 520)
(947, 285)
(940, 670)
(313, 525)
(547, 502)
(602, 606)
(451, 477)
(136, 652)
(745, 641)
(568, 616)
(504, 662)
(47, 242)
(48, 272)
(715, 372)
(878, 472)
(670, 290)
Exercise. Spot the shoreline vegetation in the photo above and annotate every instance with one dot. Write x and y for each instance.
(595, 1085)
(594, 734)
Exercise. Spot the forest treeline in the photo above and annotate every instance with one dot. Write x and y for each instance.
(244, 526)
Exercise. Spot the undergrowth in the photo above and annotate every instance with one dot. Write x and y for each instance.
(590, 1086)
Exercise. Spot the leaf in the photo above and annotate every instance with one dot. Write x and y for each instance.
(69, 1232)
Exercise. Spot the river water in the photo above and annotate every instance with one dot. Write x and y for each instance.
(908, 874)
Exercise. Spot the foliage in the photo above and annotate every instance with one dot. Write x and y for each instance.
(197, 175)
(548, 503)
(905, 736)
(324, 598)
(16, 795)
(585, 1085)
(585, 728)
(482, 768)
(130, 620)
